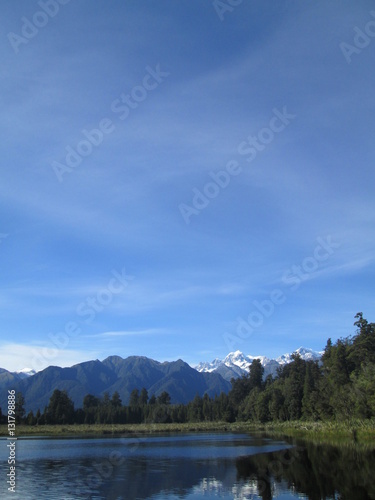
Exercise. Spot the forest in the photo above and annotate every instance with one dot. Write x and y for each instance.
(341, 386)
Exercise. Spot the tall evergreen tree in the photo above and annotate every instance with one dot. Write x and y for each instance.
(60, 409)
(116, 400)
(362, 350)
(20, 411)
(256, 375)
(164, 398)
(143, 397)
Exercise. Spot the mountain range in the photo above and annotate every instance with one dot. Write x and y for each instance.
(114, 373)
(180, 380)
(236, 364)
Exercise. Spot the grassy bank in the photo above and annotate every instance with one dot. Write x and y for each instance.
(334, 432)
(357, 431)
(115, 429)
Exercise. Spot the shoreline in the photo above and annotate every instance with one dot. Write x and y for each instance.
(355, 431)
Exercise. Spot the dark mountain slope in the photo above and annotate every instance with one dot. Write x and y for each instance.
(114, 374)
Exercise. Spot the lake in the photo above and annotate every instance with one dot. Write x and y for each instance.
(187, 466)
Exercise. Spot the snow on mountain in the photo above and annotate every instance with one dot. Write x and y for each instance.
(236, 358)
(237, 364)
(305, 353)
(208, 367)
(25, 372)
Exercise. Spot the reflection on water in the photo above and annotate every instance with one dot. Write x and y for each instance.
(192, 467)
(318, 472)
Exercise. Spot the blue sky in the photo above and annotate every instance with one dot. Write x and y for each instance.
(179, 90)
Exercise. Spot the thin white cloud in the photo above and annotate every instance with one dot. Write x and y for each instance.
(140, 294)
(130, 333)
(15, 357)
(145, 295)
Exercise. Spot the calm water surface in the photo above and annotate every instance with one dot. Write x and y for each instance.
(186, 466)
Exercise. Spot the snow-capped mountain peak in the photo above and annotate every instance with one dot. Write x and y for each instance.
(237, 364)
(206, 366)
(305, 353)
(236, 358)
(25, 372)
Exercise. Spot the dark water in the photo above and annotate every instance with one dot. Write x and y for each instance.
(187, 466)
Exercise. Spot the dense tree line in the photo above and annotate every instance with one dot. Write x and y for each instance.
(340, 386)
(141, 409)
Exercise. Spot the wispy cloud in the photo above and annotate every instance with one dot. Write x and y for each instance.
(15, 357)
(130, 333)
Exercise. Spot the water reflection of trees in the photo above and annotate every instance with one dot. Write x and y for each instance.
(318, 471)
